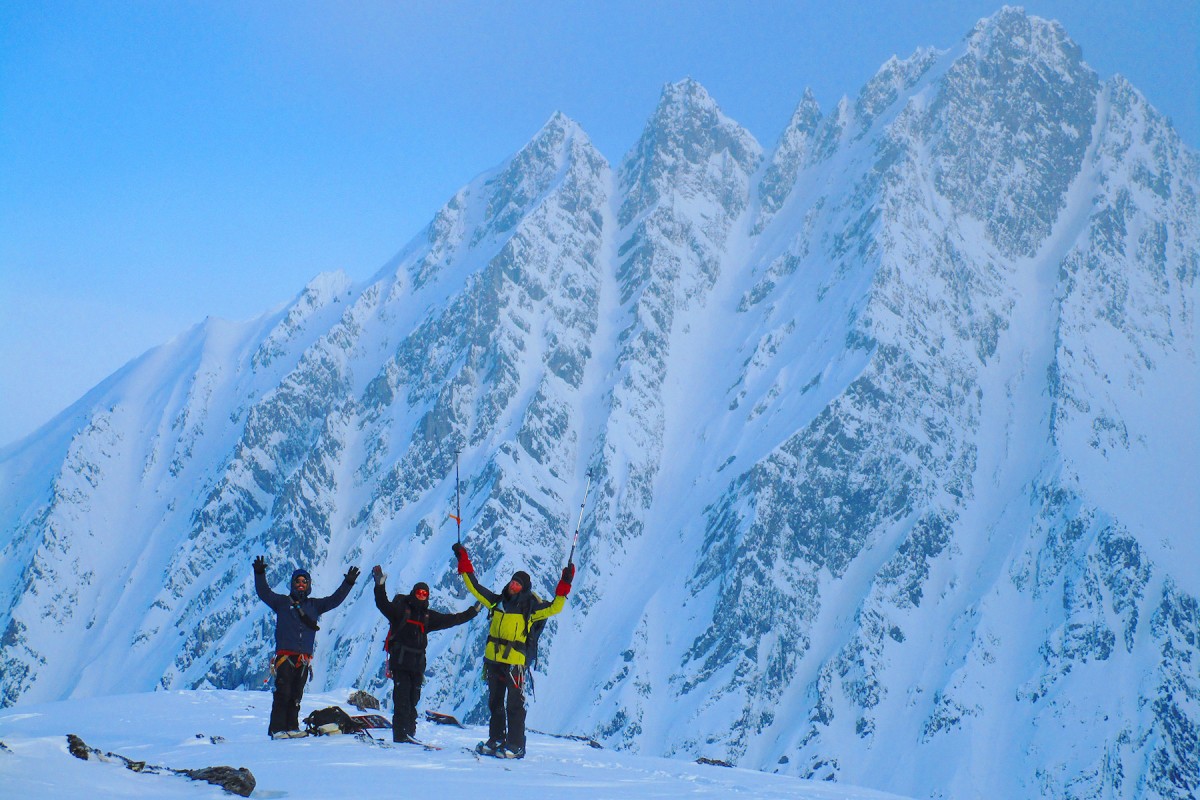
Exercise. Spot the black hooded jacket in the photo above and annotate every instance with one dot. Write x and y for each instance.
(412, 621)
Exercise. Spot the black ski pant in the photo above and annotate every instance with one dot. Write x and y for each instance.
(406, 693)
(506, 702)
(290, 676)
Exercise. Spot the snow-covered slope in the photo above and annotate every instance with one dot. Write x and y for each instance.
(894, 432)
(194, 730)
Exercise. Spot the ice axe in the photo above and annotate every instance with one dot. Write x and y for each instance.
(457, 515)
(578, 524)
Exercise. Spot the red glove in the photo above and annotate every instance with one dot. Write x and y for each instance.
(564, 584)
(464, 560)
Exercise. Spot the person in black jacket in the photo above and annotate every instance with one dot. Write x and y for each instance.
(412, 620)
(296, 627)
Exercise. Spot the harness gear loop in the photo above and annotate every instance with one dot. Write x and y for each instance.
(281, 656)
(517, 675)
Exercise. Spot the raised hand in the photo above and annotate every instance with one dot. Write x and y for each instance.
(464, 559)
(564, 583)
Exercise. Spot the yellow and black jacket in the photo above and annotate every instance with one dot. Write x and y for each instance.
(511, 619)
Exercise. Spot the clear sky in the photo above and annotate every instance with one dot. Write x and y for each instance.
(161, 162)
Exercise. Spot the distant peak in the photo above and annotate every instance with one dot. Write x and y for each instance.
(678, 144)
(560, 130)
(1008, 16)
(561, 123)
(686, 112)
(1006, 11)
(1011, 28)
(686, 94)
(807, 115)
(557, 139)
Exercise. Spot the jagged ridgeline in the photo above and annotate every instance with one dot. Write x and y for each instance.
(893, 427)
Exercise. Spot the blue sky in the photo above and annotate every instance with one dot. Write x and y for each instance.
(161, 162)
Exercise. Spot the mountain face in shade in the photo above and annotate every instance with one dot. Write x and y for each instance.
(893, 431)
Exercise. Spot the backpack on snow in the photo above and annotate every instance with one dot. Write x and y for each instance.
(330, 720)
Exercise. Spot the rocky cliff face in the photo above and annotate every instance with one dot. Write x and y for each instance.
(891, 431)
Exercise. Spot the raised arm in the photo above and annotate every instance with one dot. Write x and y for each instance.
(467, 571)
(560, 595)
(439, 621)
(386, 607)
(483, 595)
(276, 601)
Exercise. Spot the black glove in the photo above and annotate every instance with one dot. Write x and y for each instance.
(457, 546)
(377, 574)
(260, 565)
(568, 573)
(352, 574)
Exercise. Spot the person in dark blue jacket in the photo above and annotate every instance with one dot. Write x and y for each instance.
(296, 627)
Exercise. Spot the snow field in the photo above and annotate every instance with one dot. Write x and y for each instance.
(194, 729)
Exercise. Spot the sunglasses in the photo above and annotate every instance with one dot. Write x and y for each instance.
(421, 594)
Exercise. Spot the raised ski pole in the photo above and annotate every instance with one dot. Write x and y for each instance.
(587, 489)
(457, 515)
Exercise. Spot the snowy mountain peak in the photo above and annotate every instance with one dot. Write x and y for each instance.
(890, 83)
(687, 138)
(687, 96)
(1012, 35)
(792, 153)
(564, 133)
(560, 146)
(559, 154)
(808, 111)
(1010, 125)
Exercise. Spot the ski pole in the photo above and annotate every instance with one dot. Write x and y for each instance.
(457, 515)
(587, 489)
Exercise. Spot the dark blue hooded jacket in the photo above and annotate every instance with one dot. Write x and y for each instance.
(292, 633)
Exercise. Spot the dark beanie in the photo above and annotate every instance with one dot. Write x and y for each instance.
(418, 586)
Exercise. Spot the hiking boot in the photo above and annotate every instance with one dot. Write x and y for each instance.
(288, 735)
(489, 748)
(512, 752)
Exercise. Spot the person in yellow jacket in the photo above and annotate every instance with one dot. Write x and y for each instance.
(513, 611)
